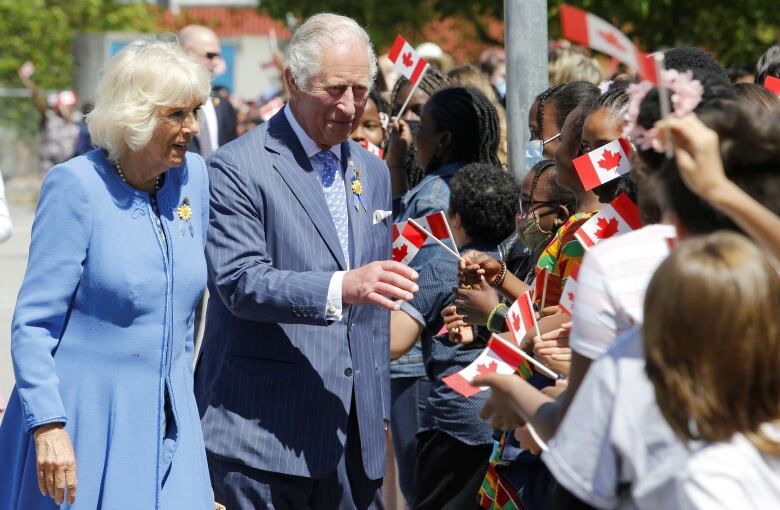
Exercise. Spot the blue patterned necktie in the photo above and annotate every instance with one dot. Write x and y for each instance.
(335, 197)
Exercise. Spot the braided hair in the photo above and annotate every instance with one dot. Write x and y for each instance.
(540, 100)
(432, 81)
(615, 101)
(558, 193)
(570, 96)
(381, 103)
(473, 121)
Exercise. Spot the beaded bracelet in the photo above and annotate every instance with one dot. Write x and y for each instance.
(489, 322)
(501, 275)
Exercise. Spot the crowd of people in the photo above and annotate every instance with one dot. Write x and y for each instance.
(325, 362)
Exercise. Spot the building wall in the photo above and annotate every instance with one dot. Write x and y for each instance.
(247, 74)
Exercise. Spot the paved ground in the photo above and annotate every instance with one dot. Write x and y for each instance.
(13, 261)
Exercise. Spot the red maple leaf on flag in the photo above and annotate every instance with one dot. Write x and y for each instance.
(609, 160)
(607, 228)
(570, 296)
(515, 321)
(490, 368)
(400, 253)
(407, 59)
(611, 39)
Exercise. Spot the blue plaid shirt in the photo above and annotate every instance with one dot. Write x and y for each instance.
(447, 410)
(430, 195)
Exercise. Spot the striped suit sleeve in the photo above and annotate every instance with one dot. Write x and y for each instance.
(241, 268)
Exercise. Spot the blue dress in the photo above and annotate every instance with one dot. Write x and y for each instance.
(102, 339)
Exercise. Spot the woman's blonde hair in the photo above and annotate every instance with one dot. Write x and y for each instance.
(141, 78)
(712, 339)
(571, 64)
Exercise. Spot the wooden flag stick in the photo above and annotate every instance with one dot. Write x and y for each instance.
(411, 92)
(544, 291)
(663, 98)
(431, 236)
(543, 369)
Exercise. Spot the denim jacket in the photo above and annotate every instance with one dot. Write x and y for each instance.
(430, 195)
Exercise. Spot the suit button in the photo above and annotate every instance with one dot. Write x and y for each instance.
(348, 372)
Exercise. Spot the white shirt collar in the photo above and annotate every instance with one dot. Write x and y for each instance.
(309, 146)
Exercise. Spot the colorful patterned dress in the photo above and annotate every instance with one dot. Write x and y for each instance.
(559, 258)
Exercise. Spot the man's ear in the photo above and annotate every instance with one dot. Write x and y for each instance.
(289, 82)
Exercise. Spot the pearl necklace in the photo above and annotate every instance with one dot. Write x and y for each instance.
(157, 180)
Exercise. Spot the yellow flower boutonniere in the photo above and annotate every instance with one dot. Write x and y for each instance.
(184, 211)
(357, 189)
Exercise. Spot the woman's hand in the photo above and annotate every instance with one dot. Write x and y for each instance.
(458, 331)
(501, 407)
(697, 152)
(475, 303)
(526, 440)
(475, 265)
(56, 463)
(552, 349)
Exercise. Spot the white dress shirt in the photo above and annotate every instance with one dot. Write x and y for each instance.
(334, 308)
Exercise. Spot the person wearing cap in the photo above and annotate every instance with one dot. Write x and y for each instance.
(59, 129)
(435, 56)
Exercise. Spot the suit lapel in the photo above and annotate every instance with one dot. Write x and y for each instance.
(294, 167)
(357, 217)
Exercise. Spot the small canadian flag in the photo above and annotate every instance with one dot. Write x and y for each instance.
(772, 84)
(408, 238)
(406, 60)
(540, 285)
(520, 318)
(589, 30)
(616, 218)
(498, 357)
(373, 149)
(601, 165)
(569, 289)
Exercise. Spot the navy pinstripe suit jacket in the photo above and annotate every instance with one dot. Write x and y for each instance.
(275, 380)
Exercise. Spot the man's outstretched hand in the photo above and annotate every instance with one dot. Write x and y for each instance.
(380, 283)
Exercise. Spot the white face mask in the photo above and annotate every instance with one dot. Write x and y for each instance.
(533, 153)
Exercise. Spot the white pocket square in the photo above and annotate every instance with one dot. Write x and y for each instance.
(380, 215)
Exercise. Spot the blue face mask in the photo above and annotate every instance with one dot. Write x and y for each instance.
(533, 152)
(501, 89)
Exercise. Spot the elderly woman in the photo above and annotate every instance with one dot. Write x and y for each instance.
(102, 332)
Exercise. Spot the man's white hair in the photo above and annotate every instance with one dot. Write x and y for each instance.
(320, 32)
(137, 81)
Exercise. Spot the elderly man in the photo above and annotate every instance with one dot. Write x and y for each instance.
(292, 381)
(218, 117)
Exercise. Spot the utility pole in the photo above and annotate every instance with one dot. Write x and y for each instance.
(525, 41)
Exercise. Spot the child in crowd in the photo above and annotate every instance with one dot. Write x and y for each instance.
(732, 423)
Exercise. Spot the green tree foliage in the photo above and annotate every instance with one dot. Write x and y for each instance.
(734, 31)
(42, 31)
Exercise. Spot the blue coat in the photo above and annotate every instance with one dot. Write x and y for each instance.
(102, 338)
(275, 380)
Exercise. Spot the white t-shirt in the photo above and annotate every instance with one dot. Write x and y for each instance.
(613, 448)
(611, 287)
(731, 475)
